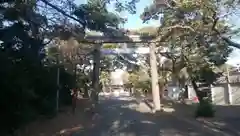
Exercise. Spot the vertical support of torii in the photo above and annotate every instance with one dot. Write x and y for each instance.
(153, 62)
(154, 76)
(96, 72)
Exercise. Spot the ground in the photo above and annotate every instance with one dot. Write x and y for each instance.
(65, 122)
(129, 118)
(125, 116)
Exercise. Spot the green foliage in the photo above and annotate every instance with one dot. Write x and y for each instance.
(27, 86)
(206, 75)
(96, 15)
(205, 109)
(104, 77)
(144, 85)
(188, 31)
(28, 79)
(139, 80)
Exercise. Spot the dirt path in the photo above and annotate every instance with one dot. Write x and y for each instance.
(63, 124)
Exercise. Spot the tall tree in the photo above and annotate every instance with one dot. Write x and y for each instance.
(27, 86)
(218, 11)
(190, 35)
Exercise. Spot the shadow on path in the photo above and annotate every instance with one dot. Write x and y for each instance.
(226, 121)
(127, 118)
(65, 122)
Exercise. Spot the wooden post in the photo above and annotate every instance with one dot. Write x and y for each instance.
(228, 93)
(96, 72)
(154, 76)
(58, 84)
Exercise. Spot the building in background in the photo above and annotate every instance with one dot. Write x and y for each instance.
(116, 78)
(238, 68)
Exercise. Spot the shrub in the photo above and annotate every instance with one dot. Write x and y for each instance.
(205, 109)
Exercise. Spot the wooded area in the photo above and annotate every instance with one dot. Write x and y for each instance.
(195, 33)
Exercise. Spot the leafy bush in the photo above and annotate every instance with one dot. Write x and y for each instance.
(205, 109)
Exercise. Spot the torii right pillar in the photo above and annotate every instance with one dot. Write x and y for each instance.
(154, 77)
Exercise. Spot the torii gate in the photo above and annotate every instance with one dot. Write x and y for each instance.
(99, 40)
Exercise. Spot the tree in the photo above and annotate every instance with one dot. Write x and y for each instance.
(97, 16)
(28, 83)
(215, 9)
(139, 80)
(28, 78)
(105, 80)
(191, 42)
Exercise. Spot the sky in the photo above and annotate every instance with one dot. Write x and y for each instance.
(134, 22)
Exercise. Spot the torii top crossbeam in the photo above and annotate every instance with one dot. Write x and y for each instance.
(139, 50)
(119, 39)
(122, 39)
(100, 39)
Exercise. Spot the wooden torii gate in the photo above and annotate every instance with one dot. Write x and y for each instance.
(99, 40)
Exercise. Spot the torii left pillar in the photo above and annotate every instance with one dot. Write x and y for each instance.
(96, 72)
(154, 76)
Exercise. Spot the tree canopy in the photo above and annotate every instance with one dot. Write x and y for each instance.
(194, 36)
(194, 33)
(212, 13)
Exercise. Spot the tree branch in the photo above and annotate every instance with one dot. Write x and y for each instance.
(168, 55)
(227, 40)
(169, 33)
(82, 22)
(180, 26)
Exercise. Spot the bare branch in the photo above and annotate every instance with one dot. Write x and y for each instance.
(168, 55)
(49, 41)
(227, 40)
(64, 13)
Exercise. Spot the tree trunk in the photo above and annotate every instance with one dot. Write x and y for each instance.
(197, 91)
(85, 94)
(154, 76)
(96, 73)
